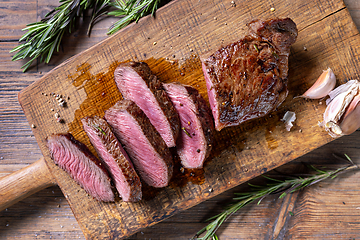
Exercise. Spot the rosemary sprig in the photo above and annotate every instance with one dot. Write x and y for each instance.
(260, 192)
(186, 132)
(100, 129)
(44, 37)
(99, 10)
(131, 10)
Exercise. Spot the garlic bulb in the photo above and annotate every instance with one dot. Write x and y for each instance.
(342, 115)
(323, 85)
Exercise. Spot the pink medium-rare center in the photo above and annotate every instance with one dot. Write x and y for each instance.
(137, 83)
(143, 152)
(146, 148)
(211, 94)
(75, 158)
(116, 160)
(195, 141)
(134, 90)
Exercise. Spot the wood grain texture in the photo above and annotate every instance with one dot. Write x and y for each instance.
(239, 153)
(52, 221)
(25, 182)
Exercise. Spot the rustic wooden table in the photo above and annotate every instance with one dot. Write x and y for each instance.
(328, 210)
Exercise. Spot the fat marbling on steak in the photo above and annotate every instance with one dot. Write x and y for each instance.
(247, 79)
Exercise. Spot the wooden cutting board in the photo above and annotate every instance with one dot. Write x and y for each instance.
(171, 44)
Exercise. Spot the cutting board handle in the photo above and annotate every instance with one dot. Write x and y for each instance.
(24, 182)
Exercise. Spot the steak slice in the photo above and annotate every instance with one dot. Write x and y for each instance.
(77, 160)
(247, 79)
(114, 157)
(137, 83)
(146, 148)
(195, 141)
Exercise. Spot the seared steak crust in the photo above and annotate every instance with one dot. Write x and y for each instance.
(115, 159)
(170, 132)
(248, 78)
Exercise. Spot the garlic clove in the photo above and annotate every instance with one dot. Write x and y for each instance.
(323, 85)
(333, 129)
(349, 86)
(352, 105)
(335, 109)
(351, 121)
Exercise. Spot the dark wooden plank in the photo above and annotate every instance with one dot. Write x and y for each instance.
(14, 125)
(25, 215)
(44, 215)
(11, 24)
(354, 8)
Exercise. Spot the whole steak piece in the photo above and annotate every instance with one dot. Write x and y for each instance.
(114, 157)
(147, 150)
(77, 160)
(195, 141)
(137, 83)
(248, 78)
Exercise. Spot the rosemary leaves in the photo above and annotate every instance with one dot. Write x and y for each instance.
(43, 38)
(131, 10)
(283, 187)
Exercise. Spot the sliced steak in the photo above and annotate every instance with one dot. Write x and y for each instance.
(248, 78)
(137, 83)
(146, 148)
(195, 141)
(77, 160)
(115, 159)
